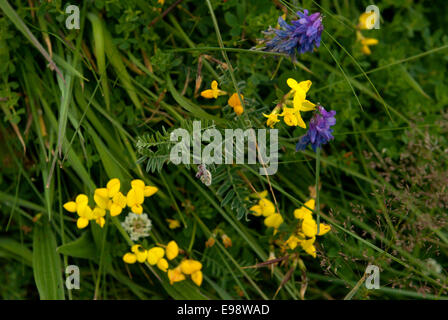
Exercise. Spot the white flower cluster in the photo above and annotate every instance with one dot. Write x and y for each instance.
(137, 225)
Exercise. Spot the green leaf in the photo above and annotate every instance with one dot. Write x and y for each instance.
(47, 264)
(84, 248)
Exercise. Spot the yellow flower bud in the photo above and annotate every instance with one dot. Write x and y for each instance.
(172, 250)
(226, 240)
(130, 258)
(70, 206)
(162, 265)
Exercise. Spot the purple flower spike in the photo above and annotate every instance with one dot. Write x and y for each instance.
(319, 131)
(301, 36)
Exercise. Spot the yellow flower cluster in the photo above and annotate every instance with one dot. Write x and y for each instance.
(187, 267)
(156, 256)
(291, 115)
(307, 231)
(365, 42)
(109, 198)
(266, 208)
(234, 101)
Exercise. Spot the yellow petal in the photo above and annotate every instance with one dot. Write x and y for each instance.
(101, 198)
(256, 210)
(307, 106)
(138, 184)
(172, 250)
(234, 101)
(308, 247)
(82, 198)
(70, 206)
(98, 212)
(303, 211)
(309, 227)
(162, 265)
(366, 50)
(119, 199)
(239, 110)
(81, 223)
(267, 207)
(150, 190)
(369, 41)
(323, 229)
(214, 85)
(208, 94)
(113, 186)
(305, 85)
(196, 277)
(292, 83)
(130, 258)
(115, 209)
(175, 275)
(173, 223)
(274, 220)
(292, 242)
(100, 221)
(188, 266)
(138, 209)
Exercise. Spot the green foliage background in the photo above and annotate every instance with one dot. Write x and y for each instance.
(127, 80)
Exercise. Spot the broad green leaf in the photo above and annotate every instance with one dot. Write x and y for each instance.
(47, 264)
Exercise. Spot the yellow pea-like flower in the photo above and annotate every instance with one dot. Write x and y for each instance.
(292, 242)
(272, 119)
(196, 277)
(130, 258)
(172, 250)
(226, 240)
(303, 211)
(214, 92)
(274, 220)
(235, 103)
(155, 254)
(140, 252)
(188, 266)
(175, 275)
(173, 223)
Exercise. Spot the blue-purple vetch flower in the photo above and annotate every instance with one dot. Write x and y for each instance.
(301, 36)
(319, 131)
